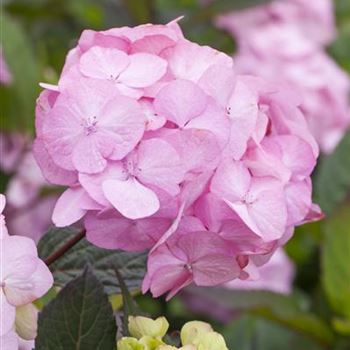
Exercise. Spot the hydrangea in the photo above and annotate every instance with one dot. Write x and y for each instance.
(23, 279)
(207, 169)
(284, 41)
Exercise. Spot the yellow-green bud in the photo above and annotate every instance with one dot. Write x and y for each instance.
(192, 331)
(212, 341)
(128, 343)
(140, 326)
(150, 343)
(26, 321)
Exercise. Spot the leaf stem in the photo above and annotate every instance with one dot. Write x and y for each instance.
(68, 245)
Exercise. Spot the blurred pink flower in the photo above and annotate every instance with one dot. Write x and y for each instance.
(208, 169)
(283, 42)
(5, 74)
(275, 276)
(28, 212)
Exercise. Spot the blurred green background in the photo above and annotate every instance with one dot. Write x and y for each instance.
(36, 35)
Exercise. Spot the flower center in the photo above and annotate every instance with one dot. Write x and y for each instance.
(89, 125)
(248, 199)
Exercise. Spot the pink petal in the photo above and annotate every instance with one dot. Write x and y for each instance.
(50, 170)
(180, 101)
(123, 124)
(267, 214)
(219, 82)
(159, 164)
(214, 120)
(231, 181)
(91, 38)
(144, 70)
(7, 315)
(103, 63)
(9, 341)
(34, 286)
(181, 57)
(92, 183)
(169, 278)
(198, 149)
(68, 208)
(298, 197)
(242, 110)
(122, 233)
(87, 157)
(131, 198)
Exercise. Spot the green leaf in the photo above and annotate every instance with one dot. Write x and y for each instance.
(336, 261)
(288, 311)
(255, 333)
(333, 178)
(18, 99)
(132, 266)
(80, 317)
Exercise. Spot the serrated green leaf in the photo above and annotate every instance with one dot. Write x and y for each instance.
(79, 318)
(333, 178)
(336, 261)
(132, 266)
(288, 311)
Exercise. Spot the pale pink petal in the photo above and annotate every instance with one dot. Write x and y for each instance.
(7, 315)
(50, 170)
(180, 101)
(159, 164)
(121, 233)
(91, 38)
(144, 70)
(214, 120)
(298, 198)
(33, 286)
(198, 149)
(9, 341)
(123, 122)
(103, 63)
(68, 208)
(87, 157)
(181, 58)
(231, 181)
(131, 198)
(92, 183)
(219, 82)
(242, 111)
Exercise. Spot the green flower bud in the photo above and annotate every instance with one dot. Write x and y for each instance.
(140, 326)
(150, 343)
(26, 321)
(192, 331)
(128, 343)
(212, 341)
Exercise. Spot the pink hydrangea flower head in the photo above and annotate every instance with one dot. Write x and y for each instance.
(207, 169)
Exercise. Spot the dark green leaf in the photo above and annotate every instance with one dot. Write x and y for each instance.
(336, 261)
(333, 178)
(79, 318)
(289, 311)
(130, 265)
(255, 333)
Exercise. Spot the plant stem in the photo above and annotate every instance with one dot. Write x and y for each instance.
(68, 245)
